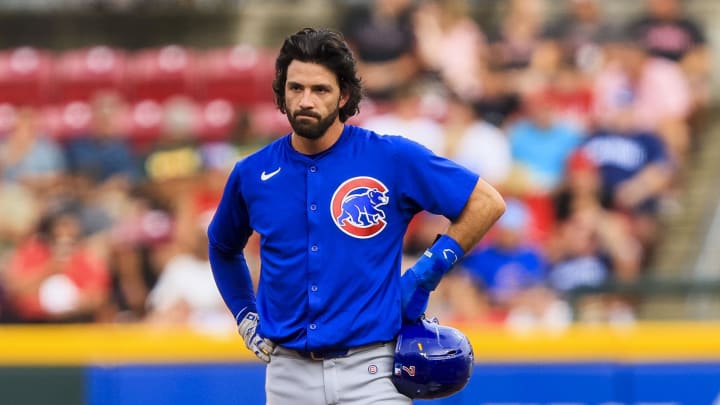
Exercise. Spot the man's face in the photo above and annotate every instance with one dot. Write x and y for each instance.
(312, 98)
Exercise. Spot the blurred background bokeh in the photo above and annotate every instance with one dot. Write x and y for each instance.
(597, 121)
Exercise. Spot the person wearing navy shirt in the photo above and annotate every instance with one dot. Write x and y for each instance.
(635, 168)
(331, 203)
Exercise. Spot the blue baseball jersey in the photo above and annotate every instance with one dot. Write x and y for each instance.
(331, 228)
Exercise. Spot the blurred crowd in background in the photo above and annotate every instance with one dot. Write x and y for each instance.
(112, 161)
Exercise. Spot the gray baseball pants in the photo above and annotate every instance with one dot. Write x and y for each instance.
(360, 378)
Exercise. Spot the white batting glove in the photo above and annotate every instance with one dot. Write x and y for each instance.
(257, 344)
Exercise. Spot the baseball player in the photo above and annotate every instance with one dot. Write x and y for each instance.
(331, 203)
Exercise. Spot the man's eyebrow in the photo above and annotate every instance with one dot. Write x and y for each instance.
(321, 87)
(317, 86)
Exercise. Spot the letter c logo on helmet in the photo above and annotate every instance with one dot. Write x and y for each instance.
(431, 360)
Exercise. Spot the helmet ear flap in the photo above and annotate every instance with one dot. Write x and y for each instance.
(431, 360)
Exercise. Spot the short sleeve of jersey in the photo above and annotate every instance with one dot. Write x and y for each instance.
(430, 182)
(229, 229)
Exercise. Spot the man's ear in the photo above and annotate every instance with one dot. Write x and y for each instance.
(344, 97)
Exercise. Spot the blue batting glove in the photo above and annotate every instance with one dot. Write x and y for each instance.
(422, 278)
(414, 298)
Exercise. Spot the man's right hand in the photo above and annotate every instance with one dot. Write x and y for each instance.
(414, 298)
(257, 344)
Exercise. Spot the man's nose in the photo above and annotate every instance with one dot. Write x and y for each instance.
(306, 100)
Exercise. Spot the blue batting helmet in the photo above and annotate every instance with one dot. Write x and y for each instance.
(431, 360)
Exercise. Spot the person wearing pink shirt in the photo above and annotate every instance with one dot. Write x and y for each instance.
(655, 91)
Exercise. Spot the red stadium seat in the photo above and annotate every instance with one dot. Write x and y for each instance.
(67, 120)
(145, 122)
(158, 74)
(217, 120)
(25, 76)
(267, 121)
(79, 74)
(242, 75)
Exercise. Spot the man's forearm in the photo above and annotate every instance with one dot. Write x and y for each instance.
(483, 209)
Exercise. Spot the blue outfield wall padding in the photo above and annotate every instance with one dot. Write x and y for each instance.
(217, 384)
(676, 383)
(498, 384)
(576, 383)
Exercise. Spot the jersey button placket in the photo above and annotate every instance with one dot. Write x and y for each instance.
(315, 298)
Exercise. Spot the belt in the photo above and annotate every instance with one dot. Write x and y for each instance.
(323, 354)
(328, 354)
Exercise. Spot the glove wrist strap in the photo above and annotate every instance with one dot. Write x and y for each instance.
(241, 314)
(446, 250)
(443, 255)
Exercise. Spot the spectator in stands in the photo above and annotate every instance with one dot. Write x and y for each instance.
(381, 35)
(590, 251)
(174, 160)
(20, 212)
(512, 271)
(539, 308)
(29, 156)
(508, 263)
(593, 245)
(136, 244)
(635, 171)
(666, 31)
(459, 301)
(105, 154)
(653, 90)
(475, 143)
(579, 31)
(514, 41)
(512, 45)
(581, 199)
(569, 95)
(55, 276)
(540, 145)
(451, 45)
(185, 292)
(582, 186)
(499, 102)
(407, 116)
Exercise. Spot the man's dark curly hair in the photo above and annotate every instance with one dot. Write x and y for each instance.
(324, 47)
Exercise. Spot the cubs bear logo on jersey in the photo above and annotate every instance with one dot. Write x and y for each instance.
(356, 207)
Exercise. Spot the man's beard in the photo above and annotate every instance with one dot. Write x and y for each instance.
(311, 129)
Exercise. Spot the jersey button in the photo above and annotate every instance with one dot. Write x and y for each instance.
(314, 288)
(313, 207)
(313, 169)
(314, 248)
(313, 326)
